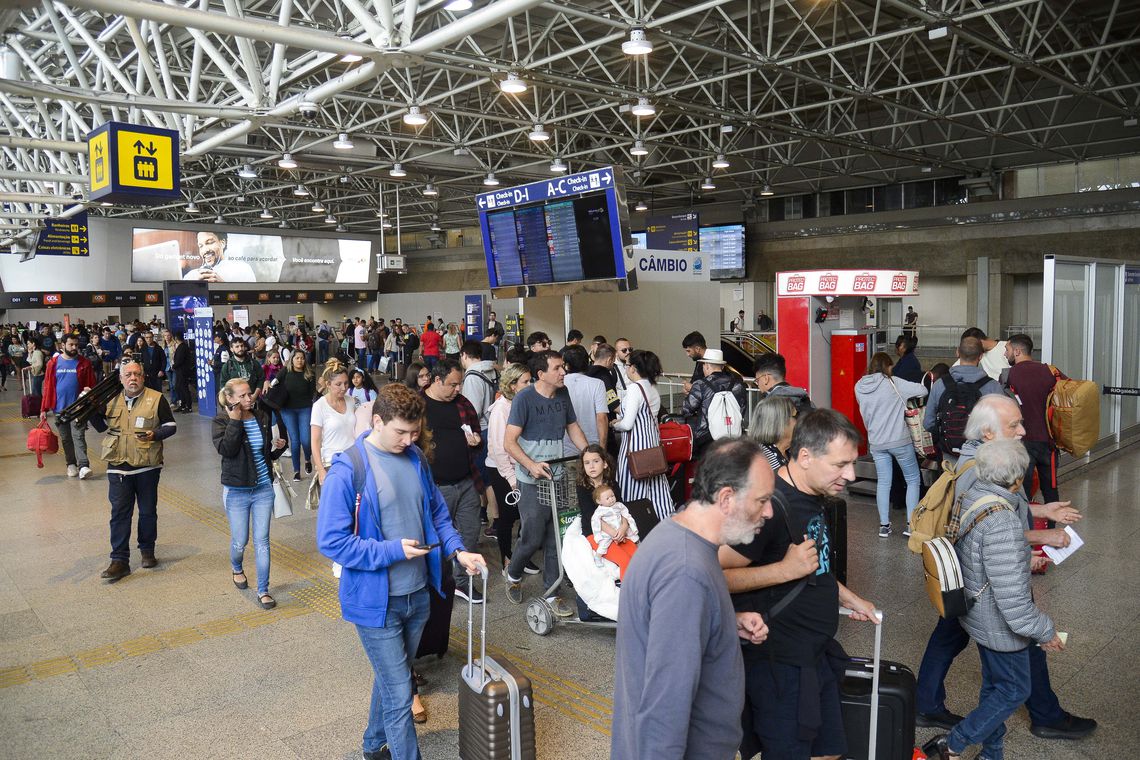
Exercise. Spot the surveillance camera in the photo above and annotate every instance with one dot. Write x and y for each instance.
(309, 110)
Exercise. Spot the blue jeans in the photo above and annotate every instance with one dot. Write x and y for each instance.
(322, 350)
(948, 640)
(884, 472)
(362, 357)
(241, 504)
(1005, 685)
(391, 650)
(172, 377)
(300, 434)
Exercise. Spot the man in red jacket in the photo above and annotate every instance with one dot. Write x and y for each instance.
(66, 376)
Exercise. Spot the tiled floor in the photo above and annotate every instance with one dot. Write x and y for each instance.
(175, 662)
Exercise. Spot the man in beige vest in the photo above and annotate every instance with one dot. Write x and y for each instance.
(135, 422)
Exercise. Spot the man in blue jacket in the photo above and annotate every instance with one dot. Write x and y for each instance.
(390, 545)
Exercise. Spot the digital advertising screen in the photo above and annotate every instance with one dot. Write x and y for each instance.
(219, 255)
(724, 244)
(182, 298)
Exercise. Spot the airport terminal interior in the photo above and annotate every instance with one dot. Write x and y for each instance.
(817, 178)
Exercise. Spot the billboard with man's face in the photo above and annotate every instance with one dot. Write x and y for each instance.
(216, 255)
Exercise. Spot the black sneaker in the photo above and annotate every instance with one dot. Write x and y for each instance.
(296, 477)
(475, 596)
(381, 754)
(945, 720)
(1071, 727)
(531, 569)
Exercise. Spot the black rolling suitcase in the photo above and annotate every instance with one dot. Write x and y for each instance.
(880, 694)
(496, 705)
(437, 632)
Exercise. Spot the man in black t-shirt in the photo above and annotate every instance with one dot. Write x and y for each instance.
(785, 575)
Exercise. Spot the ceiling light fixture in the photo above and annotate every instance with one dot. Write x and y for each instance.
(641, 206)
(341, 228)
(318, 207)
(538, 134)
(429, 189)
(708, 184)
(397, 170)
(191, 207)
(435, 227)
(301, 191)
(638, 149)
(638, 43)
(456, 6)
(343, 142)
(415, 117)
(266, 213)
(330, 219)
(766, 190)
(287, 161)
(490, 180)
(720, 162)
(557, 166)
(345, 179)
(643, 108)
(386, 225)
(219, 219)
(513, 84)
(240, 198)
(247, 172)
(350, 57)
(284, 224)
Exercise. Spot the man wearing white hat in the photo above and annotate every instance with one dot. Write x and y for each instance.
(716, 379)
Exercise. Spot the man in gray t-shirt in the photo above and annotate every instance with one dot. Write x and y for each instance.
(679, 674)
(540, 416)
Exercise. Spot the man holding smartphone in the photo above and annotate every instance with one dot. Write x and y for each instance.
(136, 422)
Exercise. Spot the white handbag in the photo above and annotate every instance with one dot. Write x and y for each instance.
(283, 494)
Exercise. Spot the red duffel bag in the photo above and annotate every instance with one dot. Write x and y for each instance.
(677, 440)
(42, 440)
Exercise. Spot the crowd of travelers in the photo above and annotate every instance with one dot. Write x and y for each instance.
(418, 442)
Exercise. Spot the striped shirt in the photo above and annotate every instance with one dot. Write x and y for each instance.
(257, 444)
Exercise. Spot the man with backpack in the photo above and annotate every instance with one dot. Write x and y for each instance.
(770, 371)
(715, 403)
(993, 417)
(954, 396)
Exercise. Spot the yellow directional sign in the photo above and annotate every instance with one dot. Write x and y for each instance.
(99, 159)
(145, 160)
(133, 164)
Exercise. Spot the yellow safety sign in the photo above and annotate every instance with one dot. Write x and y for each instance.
(99, 160)
(145, 160)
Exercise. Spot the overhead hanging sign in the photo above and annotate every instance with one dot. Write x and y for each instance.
(669, 266)
(536, 192)
(676, 232)
(848, 282)
(64, 237)
(135, 164)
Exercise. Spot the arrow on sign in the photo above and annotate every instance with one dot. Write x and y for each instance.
(150, 149)
(98, 149)
(482, 203)
(607, 178)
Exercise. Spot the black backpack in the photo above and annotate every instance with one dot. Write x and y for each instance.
(954, 407)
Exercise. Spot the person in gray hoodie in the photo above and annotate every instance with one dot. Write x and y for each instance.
(882, 403)
(989, 537)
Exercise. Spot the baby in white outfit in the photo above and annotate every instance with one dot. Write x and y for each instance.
(608, 520)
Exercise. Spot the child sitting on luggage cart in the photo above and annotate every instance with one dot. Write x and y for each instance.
(611, 523)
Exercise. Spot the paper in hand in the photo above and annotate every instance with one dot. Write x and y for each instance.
(1059, 555)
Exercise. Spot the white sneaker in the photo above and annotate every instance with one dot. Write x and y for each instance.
(84, 472)
(72, 471)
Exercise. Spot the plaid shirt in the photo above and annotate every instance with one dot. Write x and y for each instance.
(468, 416)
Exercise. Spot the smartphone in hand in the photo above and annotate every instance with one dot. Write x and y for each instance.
(428, 546)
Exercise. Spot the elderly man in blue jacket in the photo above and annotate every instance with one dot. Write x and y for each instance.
(385, 524)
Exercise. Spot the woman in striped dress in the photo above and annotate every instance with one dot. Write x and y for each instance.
(638, 428)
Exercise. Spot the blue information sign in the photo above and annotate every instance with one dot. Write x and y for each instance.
(203, 331)
(676, 232)
(64, 237)
(473, 316)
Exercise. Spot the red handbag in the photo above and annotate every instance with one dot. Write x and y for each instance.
(42, 440)
(677, 440)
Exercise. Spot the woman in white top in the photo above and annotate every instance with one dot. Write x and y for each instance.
(333, 421)
(500, 465)
(637, 425)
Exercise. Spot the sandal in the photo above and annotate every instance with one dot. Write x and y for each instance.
(243, 583)
(419, 716)
(266, 601)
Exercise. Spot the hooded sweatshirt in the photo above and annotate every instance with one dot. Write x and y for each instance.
(882, 402)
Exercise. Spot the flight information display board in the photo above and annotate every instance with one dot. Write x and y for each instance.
(724, 245)
(568, 229)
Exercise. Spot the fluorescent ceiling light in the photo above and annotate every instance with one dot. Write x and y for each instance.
(429, 189)
(191, 207)
(766, 190)
(301, 191)
(318, 207)
(538, 134)
(343, 142)
(643, 107)
(455, 6)
(708, 184)
(557, 166)
(330, 219)
(247, 172)
(513, 84)
(641, 206)
(287, 161)
(266, 214)
(639, 149)
(397, 170)
(491, 180)
(720, 162)
(415, 117)
(638, 43)
(938, 32)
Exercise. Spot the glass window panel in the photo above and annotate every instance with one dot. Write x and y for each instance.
(1096, 175)
(861, 201)
(776, 210)
(1027, 183)
(838, 205)
(918, 194)
(888, 198)
(794, 208)
(823, 204)
(809, 206)
(1069, 316)
(1128, 171)
(1058, 179)
(949, 191)
(1130, 405)
(1104, 356)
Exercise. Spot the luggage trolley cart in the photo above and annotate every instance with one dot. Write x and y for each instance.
(559, 493)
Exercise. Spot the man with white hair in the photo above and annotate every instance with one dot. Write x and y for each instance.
(997, 417)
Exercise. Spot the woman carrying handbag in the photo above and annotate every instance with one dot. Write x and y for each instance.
(637, 424)
(243, 435)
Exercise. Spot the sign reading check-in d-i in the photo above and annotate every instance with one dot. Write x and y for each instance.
(64, 237)
(134, 164)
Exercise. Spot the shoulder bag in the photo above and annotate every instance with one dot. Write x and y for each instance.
(283, 493)
(920, 438)
(650, 462)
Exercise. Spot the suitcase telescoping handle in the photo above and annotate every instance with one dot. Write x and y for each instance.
(874, 732)
(477, 682)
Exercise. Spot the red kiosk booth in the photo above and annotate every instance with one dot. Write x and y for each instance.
(822, 329)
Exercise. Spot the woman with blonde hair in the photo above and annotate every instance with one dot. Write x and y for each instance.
(452, 341)
(243, 436)
(500, 465)
(772, 424)
(332, 424)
